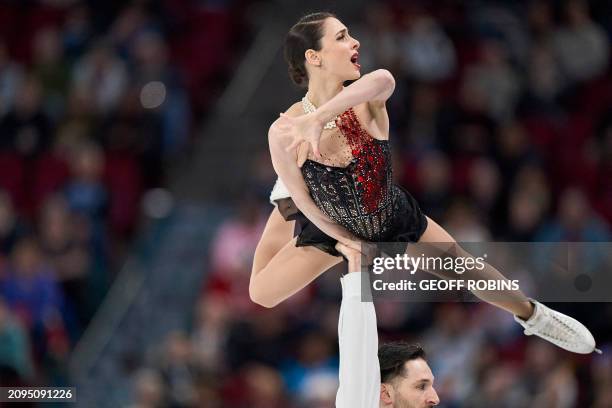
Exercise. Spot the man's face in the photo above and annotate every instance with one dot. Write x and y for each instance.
(412, 390)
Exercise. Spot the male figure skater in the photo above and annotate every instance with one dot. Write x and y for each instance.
(396, 375)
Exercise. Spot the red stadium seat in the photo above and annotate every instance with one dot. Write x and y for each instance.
(542, 133)
(124, 182)
(50, 174)
(461, 168)
(12, 177)
(26, 22)
(210, 34)
(596, 96)
(7, 22)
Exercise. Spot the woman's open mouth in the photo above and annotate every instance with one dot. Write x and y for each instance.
(355, 59)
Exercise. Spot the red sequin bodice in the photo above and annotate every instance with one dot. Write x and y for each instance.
(358, 196)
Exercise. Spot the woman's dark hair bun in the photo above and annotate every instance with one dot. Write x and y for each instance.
(305, 34)
(298, 75)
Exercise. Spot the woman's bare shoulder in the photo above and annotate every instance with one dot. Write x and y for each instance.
(295, 110)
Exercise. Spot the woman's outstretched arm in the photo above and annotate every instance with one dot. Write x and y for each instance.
(374, 88)
(377, 86)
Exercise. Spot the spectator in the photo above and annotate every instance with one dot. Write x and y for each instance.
(313, 362)
(36, 299)
(208, 391)
(210, 333)
(540, 18)
(232, 253)
(547, 379)
(30, 288)
(498, 388)
(14, 345)
(601, 372)
(11, 75)
(378, 38)
(421, 132)
(85, 192)
(451, 365)
(545, 81)
(148, 390)
(463, 223)
(427, 54)
(494, 79)
(10, 226)
(178, 370)
(27, 129)
(484, 186)
(128, 24)
(161, 91)
(513, 150)
(77, 31)
(434, 183)
(526, 215)
(581, 45)
(258, 338)
(576, 221)
(51, 69)
(70, 257)
(102, 76)
(264, 387)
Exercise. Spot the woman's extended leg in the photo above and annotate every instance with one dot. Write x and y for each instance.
(514, 301)
(281, 269)
(535, 317)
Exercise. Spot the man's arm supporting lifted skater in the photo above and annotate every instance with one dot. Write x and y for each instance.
(358, 339)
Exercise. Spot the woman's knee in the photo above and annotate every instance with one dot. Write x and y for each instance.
(258, 294)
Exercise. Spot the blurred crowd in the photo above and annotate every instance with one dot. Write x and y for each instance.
(95, 101)
(502, 129)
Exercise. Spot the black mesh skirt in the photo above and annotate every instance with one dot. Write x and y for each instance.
(408, 219)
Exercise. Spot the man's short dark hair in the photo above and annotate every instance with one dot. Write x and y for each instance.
(393, 356)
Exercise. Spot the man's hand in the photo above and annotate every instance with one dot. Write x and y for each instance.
(358, 252)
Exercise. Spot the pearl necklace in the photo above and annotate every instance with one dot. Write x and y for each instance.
(310, 108)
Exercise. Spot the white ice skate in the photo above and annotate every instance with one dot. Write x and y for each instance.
(559, 329)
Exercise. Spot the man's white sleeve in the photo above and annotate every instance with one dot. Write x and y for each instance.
(358, 338)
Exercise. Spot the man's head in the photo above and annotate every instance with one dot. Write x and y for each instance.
(406, 379)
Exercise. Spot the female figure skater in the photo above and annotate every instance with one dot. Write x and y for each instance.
(335, 190)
